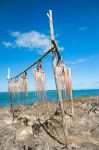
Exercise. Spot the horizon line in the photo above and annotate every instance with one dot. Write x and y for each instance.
(55, 90)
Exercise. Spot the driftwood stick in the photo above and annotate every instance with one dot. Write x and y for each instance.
(48, 132)
(94, 128)
(48, 127)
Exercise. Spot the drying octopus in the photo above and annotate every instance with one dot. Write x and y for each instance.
(13, 87)
(39, 78)
(24, 84)
(63, 75)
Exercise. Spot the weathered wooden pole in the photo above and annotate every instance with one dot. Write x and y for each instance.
(9, 90)
(56, 78)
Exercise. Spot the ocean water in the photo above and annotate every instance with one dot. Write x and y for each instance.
(51, 95)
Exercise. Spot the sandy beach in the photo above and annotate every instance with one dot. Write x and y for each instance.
(24, 131)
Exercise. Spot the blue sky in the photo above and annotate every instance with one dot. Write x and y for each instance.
(24, 36)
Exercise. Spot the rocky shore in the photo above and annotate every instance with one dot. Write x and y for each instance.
(39, 127)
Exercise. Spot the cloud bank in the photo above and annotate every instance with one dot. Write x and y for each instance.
(30, 40)
(87, 85)
(81, 60)
(7, 44)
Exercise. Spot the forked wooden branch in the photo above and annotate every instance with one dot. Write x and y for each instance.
(48, 127)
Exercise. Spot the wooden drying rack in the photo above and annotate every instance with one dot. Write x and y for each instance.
(54, 49)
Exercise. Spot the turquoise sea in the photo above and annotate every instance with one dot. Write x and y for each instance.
(51, 95)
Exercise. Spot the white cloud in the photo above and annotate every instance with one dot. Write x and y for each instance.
(31, 40)
(15, 34)
(7, 44)
(87, 85)
(78, 61)
(82, 28)
(81, 60)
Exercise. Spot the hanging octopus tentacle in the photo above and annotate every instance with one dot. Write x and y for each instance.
(64, 78)
(24, 84)
(39, 82)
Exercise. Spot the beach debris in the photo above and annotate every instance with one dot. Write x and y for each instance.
(39, 82)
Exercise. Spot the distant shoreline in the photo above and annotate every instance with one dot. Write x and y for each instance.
(51, 95)
(55, 90)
